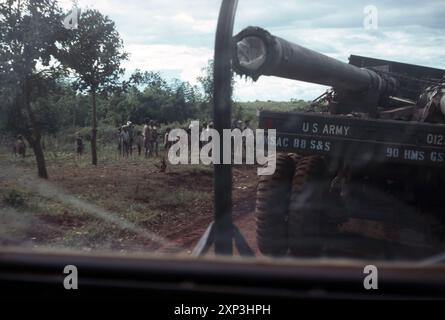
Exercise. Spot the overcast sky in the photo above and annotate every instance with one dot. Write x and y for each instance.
(176, 37)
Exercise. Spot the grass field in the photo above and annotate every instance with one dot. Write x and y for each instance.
(124, 205)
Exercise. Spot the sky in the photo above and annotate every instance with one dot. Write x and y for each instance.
(176, 37)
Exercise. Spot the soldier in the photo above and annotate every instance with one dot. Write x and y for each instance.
(131, 134)
(139, 140)
(154, 139)
(20, 147)
(147, 137)
(125, 136)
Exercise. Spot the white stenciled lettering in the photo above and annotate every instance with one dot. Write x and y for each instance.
(310, 127)
(414, 155)
(300, 143)
(336, 130)
(392, 152)
(437, 156)
(318, 145)
(435, 139)
(282, 142)
(315, 128)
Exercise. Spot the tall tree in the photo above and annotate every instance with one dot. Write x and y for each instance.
(29, 31)
(94, 52)
(206, 81)
(207, 84)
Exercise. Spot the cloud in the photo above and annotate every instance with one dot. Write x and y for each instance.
(177, 37)
(185, 61)
(184, 20)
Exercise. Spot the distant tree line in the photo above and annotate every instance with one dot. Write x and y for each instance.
(158, 99)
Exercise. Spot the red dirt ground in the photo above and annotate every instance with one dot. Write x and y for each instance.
(185, 224)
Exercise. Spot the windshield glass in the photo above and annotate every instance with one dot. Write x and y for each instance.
(109, 140)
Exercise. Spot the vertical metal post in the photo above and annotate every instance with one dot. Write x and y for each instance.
(222, 98)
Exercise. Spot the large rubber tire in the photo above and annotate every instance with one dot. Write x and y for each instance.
(309, 198)
(272, 204)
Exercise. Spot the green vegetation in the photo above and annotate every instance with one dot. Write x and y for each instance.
(248, 110)
(14, 198)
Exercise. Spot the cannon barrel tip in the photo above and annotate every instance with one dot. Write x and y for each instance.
(250, 52)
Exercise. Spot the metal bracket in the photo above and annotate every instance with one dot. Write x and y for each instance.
(222, 232)
(208, 238)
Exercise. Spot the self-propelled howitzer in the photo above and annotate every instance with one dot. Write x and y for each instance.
(367, 155)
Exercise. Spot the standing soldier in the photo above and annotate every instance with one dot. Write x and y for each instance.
(131, 135)
(147, 137)
(139, 140)
(20, 147)
(154, 139)
(125, 141)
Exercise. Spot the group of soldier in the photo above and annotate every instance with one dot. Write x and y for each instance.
(146, 141)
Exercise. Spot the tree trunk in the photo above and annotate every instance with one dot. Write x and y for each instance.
(38, 153)
(40, 159)
(94, 131)
(34, 136)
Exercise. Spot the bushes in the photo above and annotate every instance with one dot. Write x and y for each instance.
(14, 198)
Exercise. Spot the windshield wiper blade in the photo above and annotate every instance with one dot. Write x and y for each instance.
(436, 259)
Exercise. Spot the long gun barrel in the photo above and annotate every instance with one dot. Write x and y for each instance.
(256, 52)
